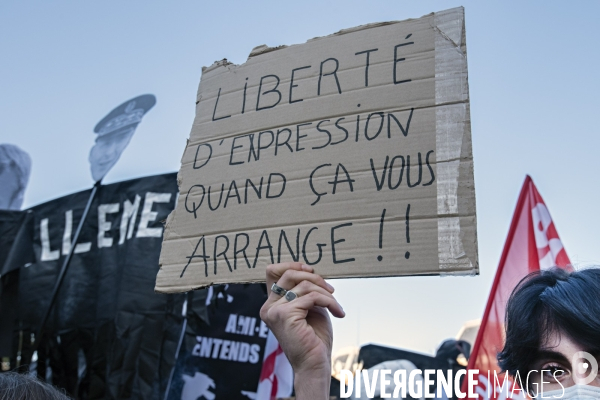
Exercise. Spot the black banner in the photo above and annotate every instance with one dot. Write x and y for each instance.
(109, 335)
(15, 251)
(223, 359)
(15, 245)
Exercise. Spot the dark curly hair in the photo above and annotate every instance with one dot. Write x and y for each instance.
(546, 302)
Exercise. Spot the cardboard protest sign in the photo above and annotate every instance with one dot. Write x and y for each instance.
(351, 153)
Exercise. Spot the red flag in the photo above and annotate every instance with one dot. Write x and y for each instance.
(532, 245)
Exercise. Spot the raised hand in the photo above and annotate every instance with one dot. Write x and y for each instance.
(302, 326)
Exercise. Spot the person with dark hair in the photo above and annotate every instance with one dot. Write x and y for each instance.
(14, 386)
(552, 317)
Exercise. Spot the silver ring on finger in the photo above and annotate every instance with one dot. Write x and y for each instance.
(278, 290)
(289, 296)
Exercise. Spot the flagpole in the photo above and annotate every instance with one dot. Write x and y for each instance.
(63, 270)
(511, 231)
(181, 337)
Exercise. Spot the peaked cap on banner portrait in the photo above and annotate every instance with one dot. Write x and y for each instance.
(532, 244)
(128, 114)
(114, 133)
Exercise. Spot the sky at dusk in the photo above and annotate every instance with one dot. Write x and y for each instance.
(533, 76)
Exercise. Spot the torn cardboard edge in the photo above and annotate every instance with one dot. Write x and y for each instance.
(264, 49)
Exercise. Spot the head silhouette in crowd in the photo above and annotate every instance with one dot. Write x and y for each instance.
(114, 133)
(15, 167)
(14, 386)
(553, 330)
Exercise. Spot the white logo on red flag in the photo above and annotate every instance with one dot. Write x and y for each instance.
(546, 238)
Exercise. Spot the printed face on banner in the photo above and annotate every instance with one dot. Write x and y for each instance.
(114, 133)
(106, 152)
(351, 153)
(15, 166)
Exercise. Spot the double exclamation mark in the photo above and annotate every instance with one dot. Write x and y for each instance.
(407, 222)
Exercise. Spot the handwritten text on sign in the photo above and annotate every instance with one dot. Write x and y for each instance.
(323, 153)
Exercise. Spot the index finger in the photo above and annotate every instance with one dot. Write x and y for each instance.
(275, 271)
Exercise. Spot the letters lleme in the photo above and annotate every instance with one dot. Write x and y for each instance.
(107, 215)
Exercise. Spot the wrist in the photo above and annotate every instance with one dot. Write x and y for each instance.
(312, 384)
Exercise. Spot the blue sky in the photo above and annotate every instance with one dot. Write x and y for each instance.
(533, 75)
